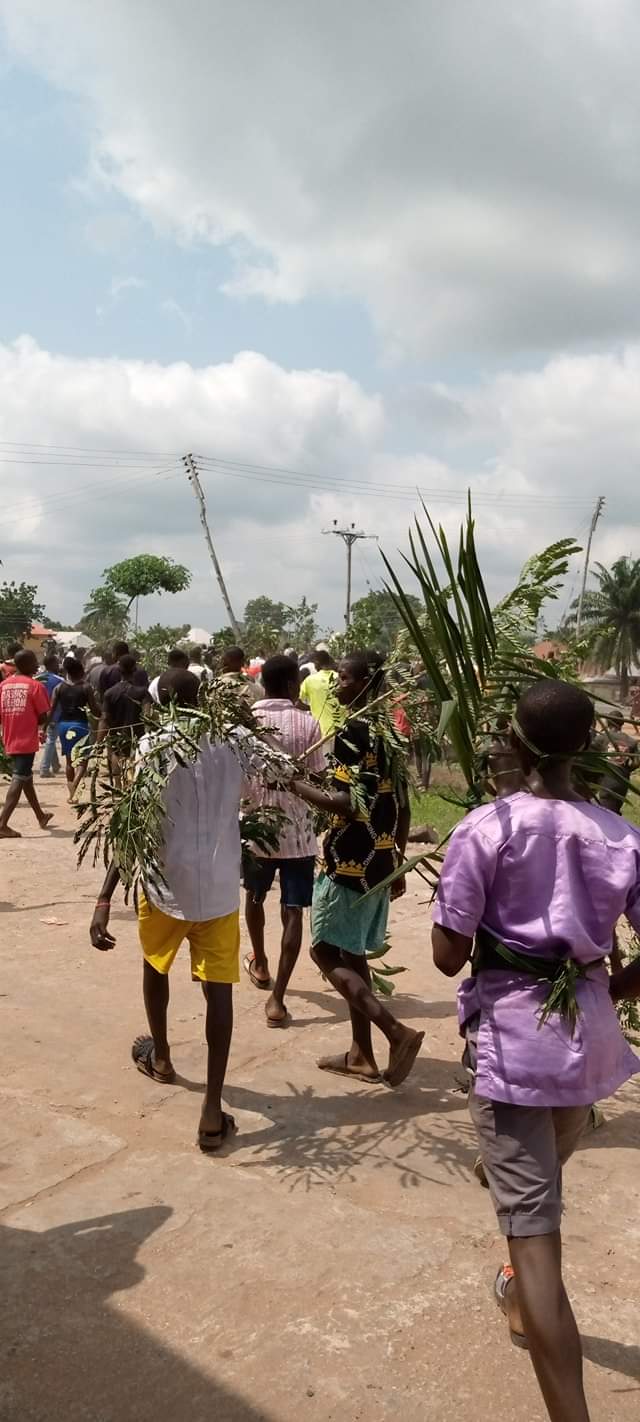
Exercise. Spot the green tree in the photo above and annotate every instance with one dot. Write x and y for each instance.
(105, 616)
(376, 621)
(301, 625)
(224, 637)
(611, 619)
(146, 574)
(18, 609)
(264, 625)
(156, 642)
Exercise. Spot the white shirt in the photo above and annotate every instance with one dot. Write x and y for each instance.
(153, 689)
(295, 732)
(201, 860)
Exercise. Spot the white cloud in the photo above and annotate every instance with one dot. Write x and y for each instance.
(467, 171)
(551, 439)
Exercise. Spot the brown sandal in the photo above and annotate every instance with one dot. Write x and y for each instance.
(504, 1277)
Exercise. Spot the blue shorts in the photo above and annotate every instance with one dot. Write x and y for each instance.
(347, 920)
(296, 879)
(72, 734)
(22, 766)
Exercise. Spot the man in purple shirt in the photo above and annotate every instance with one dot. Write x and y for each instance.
(537, 880)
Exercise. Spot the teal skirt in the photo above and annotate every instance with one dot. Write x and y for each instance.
(346, 919)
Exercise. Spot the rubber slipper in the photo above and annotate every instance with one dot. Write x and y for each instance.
(248, 964)
(143, 1053)
(210, 1142)
(279, 1021)
(503, 1279)
(405, 1060)
(340, 1067)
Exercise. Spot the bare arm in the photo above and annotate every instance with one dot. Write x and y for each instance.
(450, 950)
(99, 927)
(333, 803)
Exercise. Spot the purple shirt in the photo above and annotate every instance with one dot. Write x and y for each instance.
(543, 876)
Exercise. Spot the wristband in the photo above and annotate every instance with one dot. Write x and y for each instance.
(103, 903)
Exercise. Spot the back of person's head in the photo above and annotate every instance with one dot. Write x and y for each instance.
(74, 668)
(179, 686)
(280, 676)
(13, 649)
(127, 663)
(51, 662)
(178, 658)
(553, 719)
(26, 662)
(323, 660)
(233, 659)
(196, 654)
(119, 649)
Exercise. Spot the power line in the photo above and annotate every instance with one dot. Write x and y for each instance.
(349, 536)
(600, 503)
(192, 475)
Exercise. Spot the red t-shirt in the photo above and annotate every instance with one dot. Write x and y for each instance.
(22, 702)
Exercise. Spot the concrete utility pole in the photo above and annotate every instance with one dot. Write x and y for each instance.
(349, 536)
(192, 475)
(600, 502)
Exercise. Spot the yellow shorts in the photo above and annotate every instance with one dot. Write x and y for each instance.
(214, 943)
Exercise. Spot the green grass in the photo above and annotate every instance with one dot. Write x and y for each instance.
(429, 808)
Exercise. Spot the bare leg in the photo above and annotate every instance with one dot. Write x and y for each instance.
(254, 919)
(349, 975)
(289, 954)
(219, 1027)
(13, 795)
(77, 778)
(547, 1320)
(155, 987)
(32, 798)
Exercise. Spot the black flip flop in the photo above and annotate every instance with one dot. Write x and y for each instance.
(248, 965)
(143, 1052)
(210, 1142)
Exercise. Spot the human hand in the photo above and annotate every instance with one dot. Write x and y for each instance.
(99, 933)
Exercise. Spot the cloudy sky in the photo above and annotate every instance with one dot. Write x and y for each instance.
(342, 252)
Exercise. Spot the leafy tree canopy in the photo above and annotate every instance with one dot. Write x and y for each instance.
(269, 626)
(18, 609)
(146, 574)
(154, 644)
(105, 617)
(611, 618)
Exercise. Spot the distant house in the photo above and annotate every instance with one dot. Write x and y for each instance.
(548, 651)
(37, 639)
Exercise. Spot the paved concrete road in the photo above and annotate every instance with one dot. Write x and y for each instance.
(336, 1264)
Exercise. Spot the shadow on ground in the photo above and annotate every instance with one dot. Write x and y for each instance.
(68, 1352)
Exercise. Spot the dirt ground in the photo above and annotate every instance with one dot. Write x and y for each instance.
(336, 1264)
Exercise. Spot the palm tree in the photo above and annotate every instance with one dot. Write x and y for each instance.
(611, 616)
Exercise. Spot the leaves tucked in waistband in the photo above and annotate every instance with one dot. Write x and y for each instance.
(561, 973)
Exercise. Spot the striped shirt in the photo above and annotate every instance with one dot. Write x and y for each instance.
(295, 732)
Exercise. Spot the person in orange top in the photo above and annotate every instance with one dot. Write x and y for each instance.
(24, 707)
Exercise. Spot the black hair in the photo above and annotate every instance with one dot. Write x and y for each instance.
(127, 664)
(196, 654)
(73, 667)
(119, 649)
(233, 656)
(25, 661)
(14, 648)
(278, 674)
(323, 659)
(180, 686)
(555, 718)
(178, 658)
(51, 657)
(368, 667)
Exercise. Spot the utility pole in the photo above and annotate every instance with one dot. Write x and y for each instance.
(192, 475)
(600, 502)
(349, 536)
